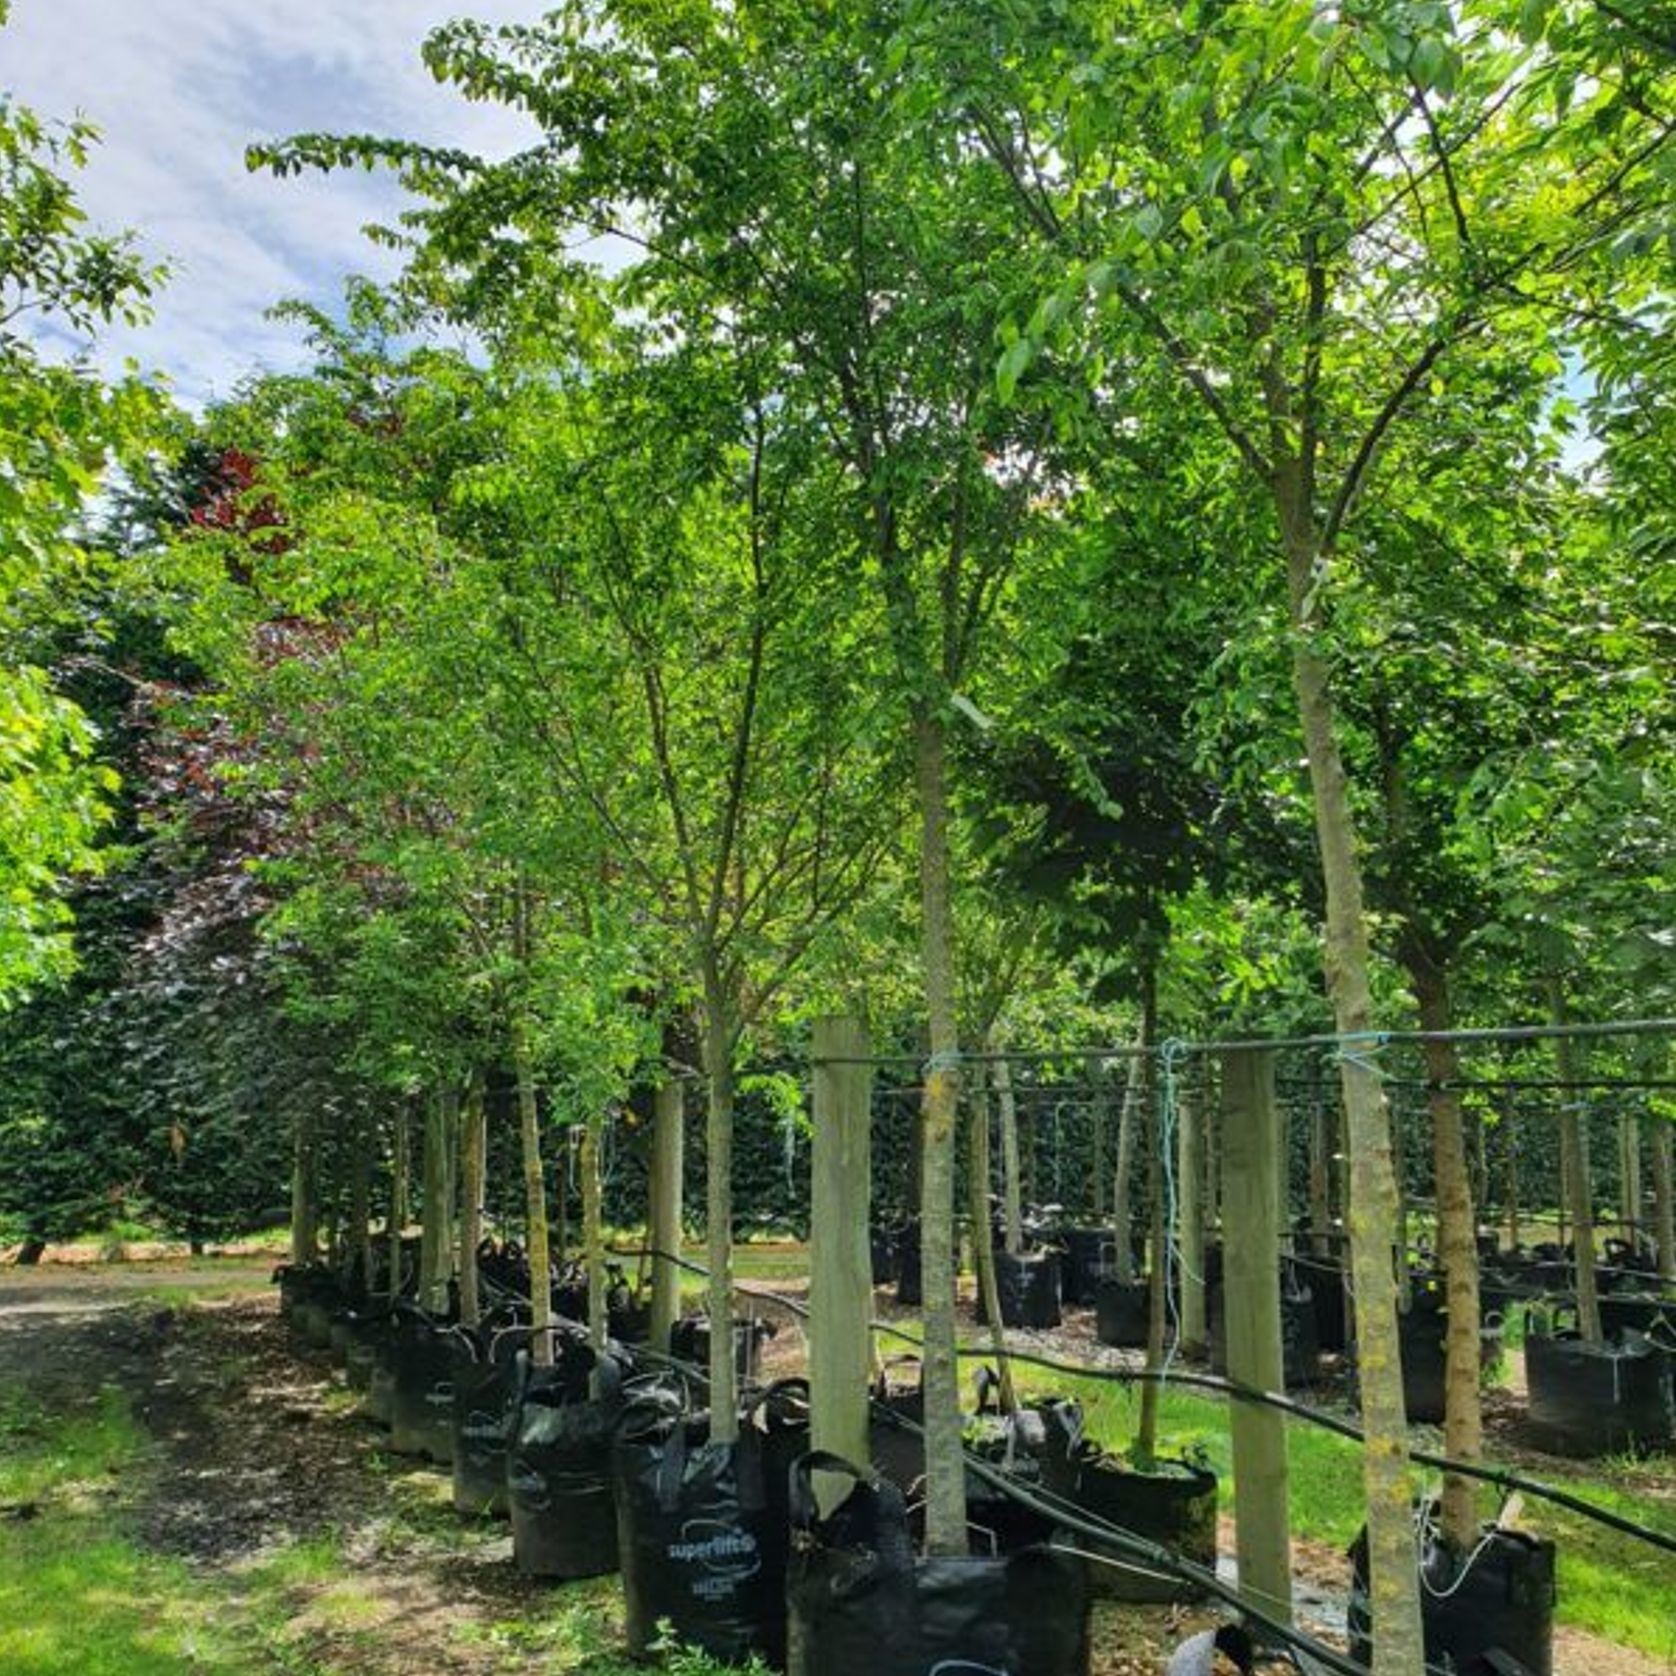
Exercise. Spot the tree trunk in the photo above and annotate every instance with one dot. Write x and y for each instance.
(1012, 1187)
(979, 1170)
(436, 1245)
(1629, 1178)
(593, 1228)
(1393, 1569)
(30, 1252)
(945, 1511)
(1123, 1225)
(535, 1199)
(305, 1192)
(1146, 1434)
(1190, 1171)
(398, 1196)
(1101, 1181)
(668, 1146)
(1320, 1168)
(473, 1167)
(1579, 1195)
(360, 1204)
(718, 1203)
(1664, 1198)
(1457, 1238)
(1510, 1125)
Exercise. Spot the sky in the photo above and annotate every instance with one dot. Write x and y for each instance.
(179, 89)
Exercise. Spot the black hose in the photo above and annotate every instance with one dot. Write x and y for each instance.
(1501, 1477)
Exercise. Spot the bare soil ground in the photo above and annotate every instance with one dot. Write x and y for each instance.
(258, 1450)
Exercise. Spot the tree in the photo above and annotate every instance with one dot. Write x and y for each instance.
(62, 430)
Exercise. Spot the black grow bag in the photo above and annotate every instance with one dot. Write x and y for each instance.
(1501, 1610)
(1027, 1286)
(1121, 1311)
(860, 1603)
(484, 1389)
(703, 1529)
(909, 1288)
(558, 1464)
(1608, 1399)
(1015, 1444)
(881, 1254)
(689, 1341)
(1087, 1253)
(1299, 1347)
(422, 1399)
(1173, 1505)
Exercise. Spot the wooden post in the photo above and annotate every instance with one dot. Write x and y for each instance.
(1251, 1264)
(1190, 1182)
(668, 1147)
(841, 1271)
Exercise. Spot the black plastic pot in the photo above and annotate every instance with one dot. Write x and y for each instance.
(558, 1467)
(1422, 1328)
(1121, 1311)
(1605, 1399)
(881, 1251)
(1174, 1505)
(1028, 1288)
(1087, 1254)
(422, 1405)
(860, 1602)
(1495, 1617)
(703, 1529)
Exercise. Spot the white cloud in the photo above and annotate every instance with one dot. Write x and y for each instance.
(179, 89)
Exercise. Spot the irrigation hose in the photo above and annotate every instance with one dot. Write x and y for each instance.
(1502, 1477)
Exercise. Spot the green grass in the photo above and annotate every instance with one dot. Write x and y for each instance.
(1610, 1585)
(80, 1596)
(77, 1597)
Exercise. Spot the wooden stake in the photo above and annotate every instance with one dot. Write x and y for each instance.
(668, 1149)
(841, 1272)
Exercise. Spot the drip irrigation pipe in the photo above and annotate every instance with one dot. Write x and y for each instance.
(1068, 1516)
(1501, 1477)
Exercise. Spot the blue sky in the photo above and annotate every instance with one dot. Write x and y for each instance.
(179, 88)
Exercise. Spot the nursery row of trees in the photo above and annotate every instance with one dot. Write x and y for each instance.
(1008, 518)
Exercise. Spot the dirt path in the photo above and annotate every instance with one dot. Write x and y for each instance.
(259, 1453)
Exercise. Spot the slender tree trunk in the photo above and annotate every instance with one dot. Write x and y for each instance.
(668, 1145)
(535, 1198)
(399, 1151)
(1664, 1198)
(1146, 1436)
(979, 1171)
(473, 1168)
(1510, 1124)
(1457, 1238)
(1320, 1168)
(945, 1523)
(1012, 1194)
(1123, 1223)
(1190, 1171)
(1578, 1191)
(1101, 1181)
(589, 1135)
(718, 1203)
(360, 1204)
(1629, 1178)
(436, 1246)
(1393, 1570)
(305, 1190)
